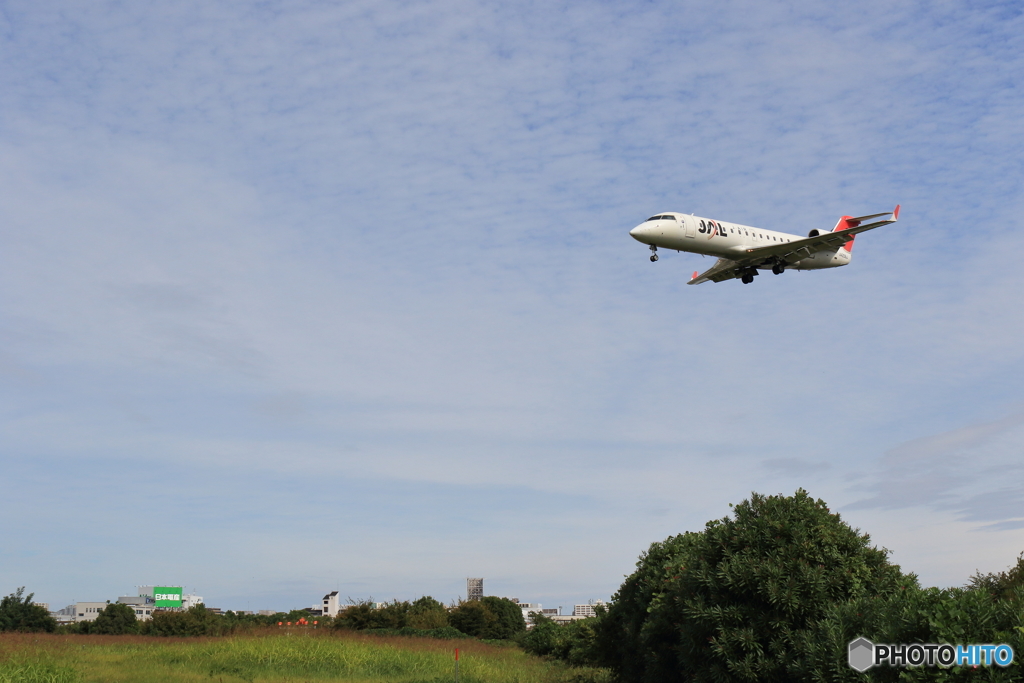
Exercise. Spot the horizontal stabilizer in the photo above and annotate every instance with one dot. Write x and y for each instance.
(861, 219)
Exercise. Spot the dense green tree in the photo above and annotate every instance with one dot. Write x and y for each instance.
(735, 601)
(473, 618)
(357, 616)
(574, 643)
(17, 613)
(914, 615)
(1001, 585)
(508, 615)
(115, 619)
(367, 615)
(427, 613)
(195, 621)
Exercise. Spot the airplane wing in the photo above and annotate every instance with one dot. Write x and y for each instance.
(791, 252)
(724, 269)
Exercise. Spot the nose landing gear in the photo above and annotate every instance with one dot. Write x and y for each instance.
(654, 253)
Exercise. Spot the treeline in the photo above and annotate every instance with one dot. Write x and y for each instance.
(776, 592)
(489, 618)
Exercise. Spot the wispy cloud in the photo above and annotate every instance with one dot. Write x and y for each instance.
(306, 258)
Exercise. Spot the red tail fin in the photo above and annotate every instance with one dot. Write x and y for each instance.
(847, 222)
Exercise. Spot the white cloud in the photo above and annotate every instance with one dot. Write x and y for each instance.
(384, 243)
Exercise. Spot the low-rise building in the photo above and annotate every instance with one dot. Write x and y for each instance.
(587, 610)
(191, 600)
(86, 611)
(528, 608)
(330, 605)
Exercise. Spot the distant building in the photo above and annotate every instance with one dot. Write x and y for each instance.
(141, 604)
(66, 615)
(587, 610)
(528, 608)
(84, 611)
(474, 589)
(330, 607)
(191, 600)
(267, 612)
(565, 618)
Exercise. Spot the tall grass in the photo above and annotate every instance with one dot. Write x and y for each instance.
(273, 658)
(37, 672)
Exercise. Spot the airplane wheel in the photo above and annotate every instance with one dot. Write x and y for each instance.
(747, 279)
(654, 257)
(778, 269)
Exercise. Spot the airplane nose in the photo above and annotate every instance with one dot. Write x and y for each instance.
(638, 233)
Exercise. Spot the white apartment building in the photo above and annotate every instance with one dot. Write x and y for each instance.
(587, 610)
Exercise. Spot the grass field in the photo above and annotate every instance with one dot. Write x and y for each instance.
(272, 657)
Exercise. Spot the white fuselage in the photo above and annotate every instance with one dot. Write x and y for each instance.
(725, 240)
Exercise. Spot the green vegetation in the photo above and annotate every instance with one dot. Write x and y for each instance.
(114, 620)
(775, 592)
(279, 658)
(732, 602)
(574, 643)
(17, 613)
(489, 618)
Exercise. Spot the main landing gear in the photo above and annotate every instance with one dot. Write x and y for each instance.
(654, 253)
(779, 268)
(747, 276)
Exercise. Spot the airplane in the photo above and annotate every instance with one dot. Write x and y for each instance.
(743, 250)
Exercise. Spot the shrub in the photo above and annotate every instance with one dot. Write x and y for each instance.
(195, 621)
(115, 619)
(735, 601)
(17, 613)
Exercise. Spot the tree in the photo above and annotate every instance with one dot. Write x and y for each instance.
(736, 601)
(17, 613)
(115, 619)
(1001, 585)
(195, 621)
(574, 643)
(427, 613)
(508, 618)
(472, 618)
(913, 615)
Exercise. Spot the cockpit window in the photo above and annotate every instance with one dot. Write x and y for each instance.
(658, 218)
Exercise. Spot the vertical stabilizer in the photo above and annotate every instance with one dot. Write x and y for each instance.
(847, 222)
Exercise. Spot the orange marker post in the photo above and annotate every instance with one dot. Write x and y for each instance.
(456, 665)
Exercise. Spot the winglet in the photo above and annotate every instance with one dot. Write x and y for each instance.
(896, 213)
(695, 274)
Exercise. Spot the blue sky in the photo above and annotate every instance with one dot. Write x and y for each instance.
(316, 296)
